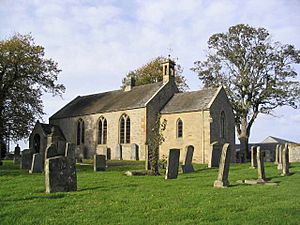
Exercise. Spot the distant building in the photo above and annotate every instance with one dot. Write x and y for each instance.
(268, 146)
(110, 123)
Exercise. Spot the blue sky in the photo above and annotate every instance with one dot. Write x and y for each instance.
(97, 42)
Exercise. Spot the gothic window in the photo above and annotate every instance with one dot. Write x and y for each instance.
(124, 129)
(222, 130)
(179, 128)
(102, 131)
(80, 132)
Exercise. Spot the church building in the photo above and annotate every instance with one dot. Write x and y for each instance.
(116, 123)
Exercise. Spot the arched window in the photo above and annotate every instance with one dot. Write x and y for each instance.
(80, 132)
(222, 121)
(102, 131)
(179, 128)
(124, 129)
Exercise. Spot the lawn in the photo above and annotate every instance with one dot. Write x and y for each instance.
(111, 198)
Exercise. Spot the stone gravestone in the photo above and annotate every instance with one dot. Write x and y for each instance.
(51, 151)
(70, 151)
(187, 166)
(134, 152)
(37, 163)
(253, 157)
(172, 164)
(222, 180)
(17, 155)
(279, 165)
(99, 163)
(276, 154)
(26, 159)
(285, 161)
(261, 176)
(215, 155)
(60, 175)
(118, 152)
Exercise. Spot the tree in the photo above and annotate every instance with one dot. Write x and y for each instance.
(152, 72)
(256, 72)
(155, 139)
(25, 74)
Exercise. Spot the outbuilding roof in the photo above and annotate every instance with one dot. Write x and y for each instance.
(109, 101)
(190, 101)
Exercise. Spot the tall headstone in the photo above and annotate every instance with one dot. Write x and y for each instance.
(26, 159)
(119, 152)
(172, 164)
(276, 154)
(224, 165)
(17, 155)
(279, 165)
(51, 151)
(261, 176)
(215, 155)
(134, 152)
(285, 161)
(60, 175)
(99, 162)
(107, 151)
(37, 163)
(70, 151)
(147, 162)
(187, 166)
(253, 157)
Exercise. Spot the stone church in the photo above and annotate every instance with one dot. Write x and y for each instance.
(118, 123)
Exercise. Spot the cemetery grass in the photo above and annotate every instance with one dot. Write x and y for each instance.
(111, 198)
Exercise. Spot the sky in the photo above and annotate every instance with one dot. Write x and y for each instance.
(96, 43)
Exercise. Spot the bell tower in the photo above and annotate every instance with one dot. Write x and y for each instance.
(168, 68)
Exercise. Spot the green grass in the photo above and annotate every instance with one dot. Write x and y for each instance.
(112, 198)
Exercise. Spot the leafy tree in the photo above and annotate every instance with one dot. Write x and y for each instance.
(256, 72)
(155, 139)
(25, 74)
(152, 72)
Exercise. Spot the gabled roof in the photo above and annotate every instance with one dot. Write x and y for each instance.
(271, 139)
(47, 129)
(190, 101)
(109, 101)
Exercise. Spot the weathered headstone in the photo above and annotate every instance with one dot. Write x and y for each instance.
(261, 176)
(37, 163)
(17, 155)
(222, 180)
(253, 157)
(118, 152)
(147, 163)
(108, 153)
(215, 155)
(172, 164)
(134, 152)
(279, 165)
(26, 159)
(285, 161)
(99, 162)
(60, 175)
(276, 154)
(187, 166)
(70, 151)
(51, 151)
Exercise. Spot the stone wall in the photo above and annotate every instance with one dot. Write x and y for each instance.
(294, 153)
(43, 141)
(195, 133)
(138, 130)
(221, 103)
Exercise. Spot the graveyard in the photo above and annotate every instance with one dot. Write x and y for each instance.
(110, 197)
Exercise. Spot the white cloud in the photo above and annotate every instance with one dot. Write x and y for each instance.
(97, 42)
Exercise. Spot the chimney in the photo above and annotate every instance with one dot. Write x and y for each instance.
(129, 83)
(168, 70)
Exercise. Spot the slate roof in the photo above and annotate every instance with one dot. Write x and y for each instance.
(109, 101)
(190, 101)
(272, 139)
